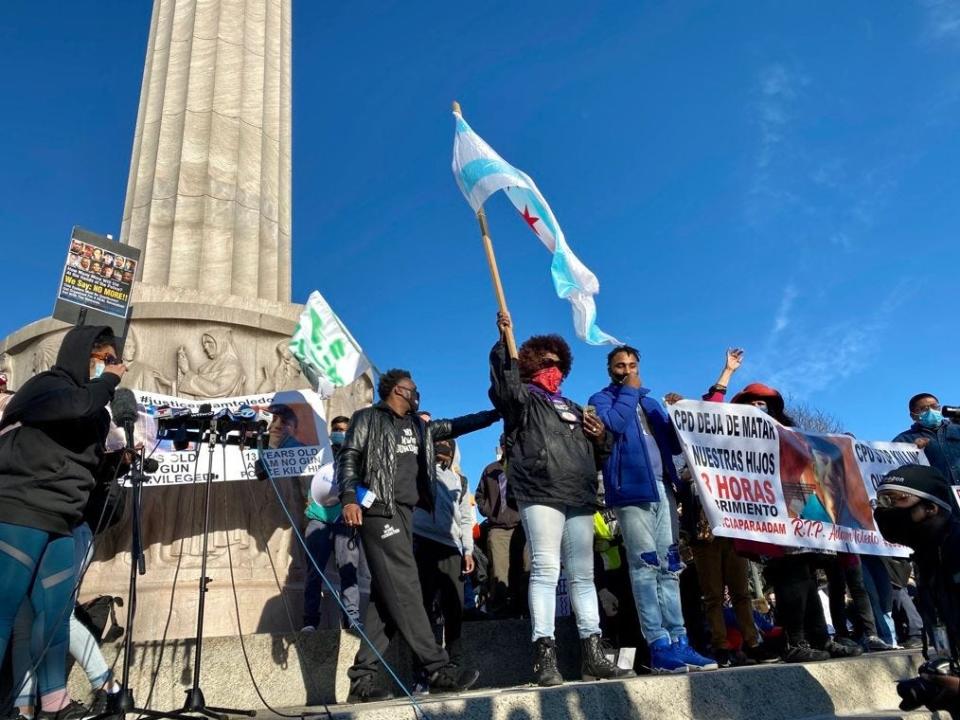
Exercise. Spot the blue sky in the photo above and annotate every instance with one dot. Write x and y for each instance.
(779, 176)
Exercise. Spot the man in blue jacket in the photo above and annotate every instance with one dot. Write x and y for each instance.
(640, 481)
(935, 435)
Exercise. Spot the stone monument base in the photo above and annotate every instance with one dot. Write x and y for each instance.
(187, 343)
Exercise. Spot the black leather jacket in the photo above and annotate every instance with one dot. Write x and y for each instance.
(548, 460)
(368, 456)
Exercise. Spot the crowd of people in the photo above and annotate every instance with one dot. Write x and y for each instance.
(641, 565)
(598, 495)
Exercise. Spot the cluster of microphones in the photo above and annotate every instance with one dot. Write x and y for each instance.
(239, 426)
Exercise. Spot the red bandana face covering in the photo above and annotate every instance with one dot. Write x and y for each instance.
(549, 379)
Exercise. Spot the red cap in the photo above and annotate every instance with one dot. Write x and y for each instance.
(759, 391)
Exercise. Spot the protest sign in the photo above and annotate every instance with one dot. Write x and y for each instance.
(758, 480)
(96, 282)
(328, 354)
(298, 444)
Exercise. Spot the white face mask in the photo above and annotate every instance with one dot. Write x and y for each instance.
(98, 369)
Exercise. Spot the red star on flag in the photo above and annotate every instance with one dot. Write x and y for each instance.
(531, 219)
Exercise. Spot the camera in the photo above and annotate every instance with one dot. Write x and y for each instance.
(923, 690)
(951, 411)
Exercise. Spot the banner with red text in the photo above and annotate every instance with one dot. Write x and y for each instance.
(758, 480)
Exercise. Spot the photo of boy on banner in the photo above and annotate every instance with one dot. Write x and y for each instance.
(822, 481)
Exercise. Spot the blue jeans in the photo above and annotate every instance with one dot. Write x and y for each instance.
(322, 540)
(555, 531)
(655, 566)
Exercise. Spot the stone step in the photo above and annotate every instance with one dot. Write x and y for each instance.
(309, 671)
(856, 689)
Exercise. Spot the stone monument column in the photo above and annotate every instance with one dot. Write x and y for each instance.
(208, 198)
(208, 204)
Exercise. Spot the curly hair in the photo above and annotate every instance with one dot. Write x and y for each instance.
(389, 380)
(532, 349)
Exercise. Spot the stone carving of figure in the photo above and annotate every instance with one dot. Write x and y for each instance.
(221, 376)
(285, 376)
(141, 375)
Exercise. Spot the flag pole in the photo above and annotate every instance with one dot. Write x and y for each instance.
(492, 263)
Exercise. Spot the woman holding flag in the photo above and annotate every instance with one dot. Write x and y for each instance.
(551, 449)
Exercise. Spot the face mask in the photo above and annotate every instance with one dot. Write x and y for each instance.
(762, 406)
(337, 437)
(548, 378)
(898, 526)
(413, 398)
(98, 368)
(931, 418)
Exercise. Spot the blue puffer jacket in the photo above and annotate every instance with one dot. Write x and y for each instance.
(627, 477)
(943, 450)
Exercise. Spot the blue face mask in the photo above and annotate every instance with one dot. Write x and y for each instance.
(337, 437)
(931, 418)
(98, 368)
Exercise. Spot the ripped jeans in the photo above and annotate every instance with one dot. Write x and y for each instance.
(655, 565)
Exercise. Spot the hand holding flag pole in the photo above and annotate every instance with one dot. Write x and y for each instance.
(494, 270)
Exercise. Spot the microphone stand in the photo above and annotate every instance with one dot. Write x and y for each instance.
(122, 703)
(195, 702)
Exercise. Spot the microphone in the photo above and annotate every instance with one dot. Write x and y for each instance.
(124, 410)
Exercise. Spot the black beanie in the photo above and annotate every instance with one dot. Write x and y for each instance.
(922, 481)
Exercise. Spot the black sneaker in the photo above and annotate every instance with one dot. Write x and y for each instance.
(836, 650)
(761, 654)
(73, 711)
(875, 644)
(913, 643)
(732, 658)
(364, 690)
(101, 701)
(802, 652)
(451, 679)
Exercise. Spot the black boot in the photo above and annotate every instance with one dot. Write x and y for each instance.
(545, 670)
(594, 664)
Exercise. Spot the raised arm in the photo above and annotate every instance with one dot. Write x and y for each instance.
(507, 392)
(54, 400)
(718, 390)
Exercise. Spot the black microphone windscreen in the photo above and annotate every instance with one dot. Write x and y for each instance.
(124, 406)
(151, 465)
(205, 409)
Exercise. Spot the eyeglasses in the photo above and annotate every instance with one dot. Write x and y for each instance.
(923, 408)
(895, 498)
(549, 363)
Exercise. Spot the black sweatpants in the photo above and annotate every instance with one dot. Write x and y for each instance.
(798, 609)
(843, 574)
(396, 600)
(441, 577)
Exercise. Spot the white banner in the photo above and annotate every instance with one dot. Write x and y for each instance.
(298, 442)
(758, 480)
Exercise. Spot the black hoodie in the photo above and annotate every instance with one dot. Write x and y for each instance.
(54, 432)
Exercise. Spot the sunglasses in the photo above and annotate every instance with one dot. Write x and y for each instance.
(107, 359)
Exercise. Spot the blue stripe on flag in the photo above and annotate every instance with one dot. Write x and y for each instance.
(476, 170)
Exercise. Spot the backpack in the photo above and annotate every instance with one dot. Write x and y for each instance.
(96, 613)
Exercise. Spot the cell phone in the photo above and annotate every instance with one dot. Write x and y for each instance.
(590, 410)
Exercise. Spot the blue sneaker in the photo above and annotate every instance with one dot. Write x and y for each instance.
(665, 659)
(693, 660)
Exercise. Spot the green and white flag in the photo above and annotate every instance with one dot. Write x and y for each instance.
(327, 352)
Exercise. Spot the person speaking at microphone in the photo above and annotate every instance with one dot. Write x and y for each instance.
(52, 439)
